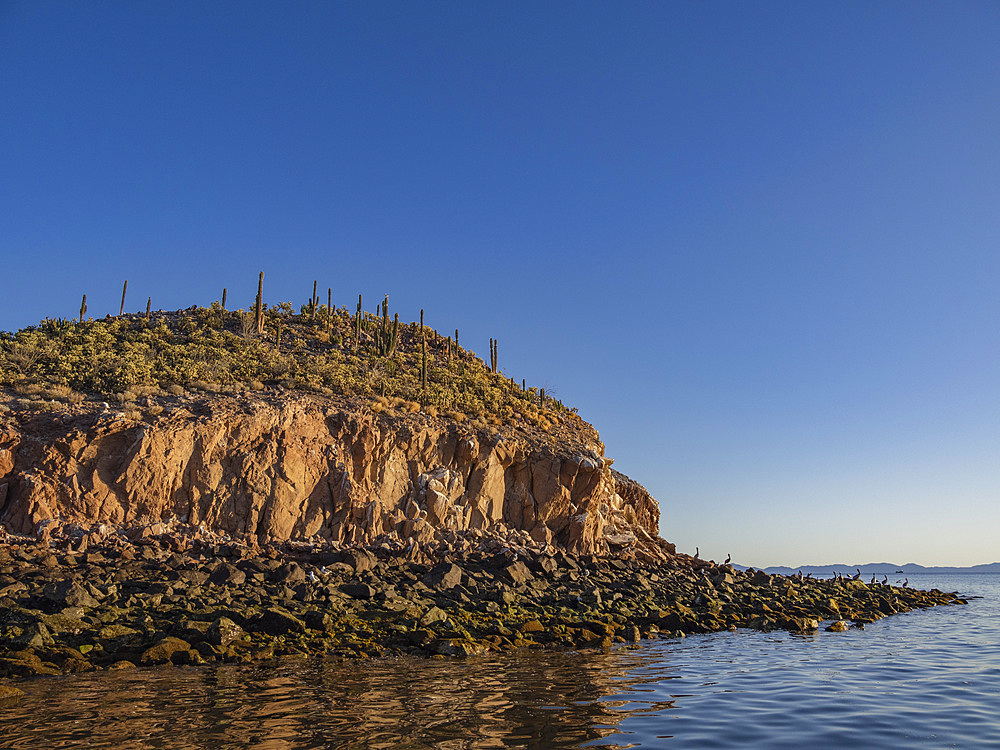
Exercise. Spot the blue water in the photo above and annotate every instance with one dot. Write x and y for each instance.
(926, 679)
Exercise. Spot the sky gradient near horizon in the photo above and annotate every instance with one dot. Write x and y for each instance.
(755, 244)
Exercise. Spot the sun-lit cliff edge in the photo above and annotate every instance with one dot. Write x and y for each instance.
(318, 425)
(292, 466)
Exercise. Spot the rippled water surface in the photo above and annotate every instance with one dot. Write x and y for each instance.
(927, 679)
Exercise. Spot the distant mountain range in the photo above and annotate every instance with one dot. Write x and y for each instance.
(883, 568)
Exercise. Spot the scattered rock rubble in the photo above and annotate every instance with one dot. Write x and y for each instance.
(83, 598)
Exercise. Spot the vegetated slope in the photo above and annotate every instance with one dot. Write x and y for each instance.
(319, 350)
(276, 425)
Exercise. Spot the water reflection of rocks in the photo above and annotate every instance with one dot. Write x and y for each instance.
(543, 700)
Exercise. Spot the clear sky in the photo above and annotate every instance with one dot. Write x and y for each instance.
(756, 244)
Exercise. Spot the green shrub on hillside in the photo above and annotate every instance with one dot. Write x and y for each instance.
(213, 350)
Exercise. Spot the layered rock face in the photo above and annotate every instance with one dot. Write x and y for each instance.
(295, 468)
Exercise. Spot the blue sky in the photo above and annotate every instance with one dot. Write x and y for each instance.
(756, 244)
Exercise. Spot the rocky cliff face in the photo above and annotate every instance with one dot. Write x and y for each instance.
(291, 467)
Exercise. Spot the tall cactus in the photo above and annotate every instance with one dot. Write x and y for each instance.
(124, 288)
(357, 327)
(313, 303)
(387, 335)
(259, 306)
(329, 310)
(224, 290)
(423, 353)
(149, 307)
(83, 308)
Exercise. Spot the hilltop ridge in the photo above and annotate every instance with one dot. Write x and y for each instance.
(320, 349)
(276, 425)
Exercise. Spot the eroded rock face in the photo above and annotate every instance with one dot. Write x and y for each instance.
(295, 468)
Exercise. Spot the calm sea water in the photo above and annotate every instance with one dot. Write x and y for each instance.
(928, 679)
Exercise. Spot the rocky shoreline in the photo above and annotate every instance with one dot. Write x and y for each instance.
(76, 602)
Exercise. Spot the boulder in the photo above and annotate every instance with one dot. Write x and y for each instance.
(68, 593)
(357, 590)
(164, 651)
(223, 631)
(227, 575)
(277, 621)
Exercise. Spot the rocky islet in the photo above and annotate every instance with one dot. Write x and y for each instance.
(180, 596)
(191, 528)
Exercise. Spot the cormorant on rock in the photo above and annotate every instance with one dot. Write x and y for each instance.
(857, 576)
(885, 580)
(906, 582)
(729, 559)
(697, 551)
(873, 580)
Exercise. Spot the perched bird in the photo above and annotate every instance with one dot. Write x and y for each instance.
(729, 559)
(885, 580)
(906, 583)
(697, 551)
(312, 577)
(857, 576)
(873, 580)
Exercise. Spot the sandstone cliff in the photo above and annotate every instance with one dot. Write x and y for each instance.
(292, 467)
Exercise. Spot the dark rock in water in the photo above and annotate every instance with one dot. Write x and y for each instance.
(420, 637)
(191, 630)
(25, 663)
(459, 647)
(277, 621)
(164, 651)
(10, 693)
(223, 631)
(319, 620)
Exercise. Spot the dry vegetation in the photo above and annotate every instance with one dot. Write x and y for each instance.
(319, 350)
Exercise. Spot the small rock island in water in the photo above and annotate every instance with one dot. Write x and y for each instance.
(211, 485)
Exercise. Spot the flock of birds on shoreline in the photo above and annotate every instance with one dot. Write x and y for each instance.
(836, 574)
